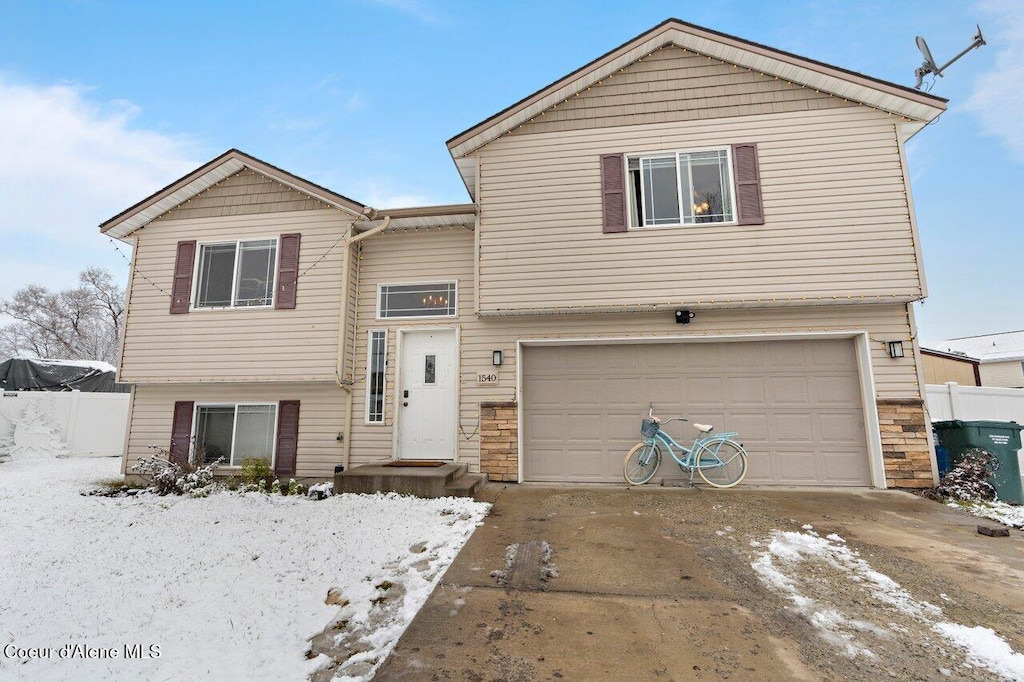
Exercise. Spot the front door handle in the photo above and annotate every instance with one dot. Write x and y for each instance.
(405, 404)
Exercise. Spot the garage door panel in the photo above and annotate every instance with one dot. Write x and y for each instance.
(747, 390)
(794, 428)
(841, 427)
(704, 391)
(698, 356)
(790, 390)
(796, 467)
(836, 389)
(796, 404)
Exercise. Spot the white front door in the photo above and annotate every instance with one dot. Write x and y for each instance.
(426, 395)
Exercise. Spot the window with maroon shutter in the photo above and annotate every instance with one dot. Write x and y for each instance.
(181, 430)
(613, 193)
(287, 437)
(750, 209)
(181, 289)
(288, 272)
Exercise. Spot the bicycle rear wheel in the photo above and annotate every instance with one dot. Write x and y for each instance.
(641, 463)
(723, 464)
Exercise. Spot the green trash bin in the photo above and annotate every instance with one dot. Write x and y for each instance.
(1002, 439)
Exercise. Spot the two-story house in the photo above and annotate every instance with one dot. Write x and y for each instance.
(692, 220)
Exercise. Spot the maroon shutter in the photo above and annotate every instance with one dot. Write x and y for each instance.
(181, 289)
(288, 272)
(749, 209)
(287, 437)
(181, 430)
(613, 193)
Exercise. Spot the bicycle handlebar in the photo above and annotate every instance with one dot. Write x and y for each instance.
(650, 415)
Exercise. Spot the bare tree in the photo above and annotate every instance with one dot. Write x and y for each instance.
(82, 323)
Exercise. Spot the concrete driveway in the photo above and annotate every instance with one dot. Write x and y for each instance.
(657, 583)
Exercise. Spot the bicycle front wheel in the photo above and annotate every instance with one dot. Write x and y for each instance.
(723, 464)
(641, 463)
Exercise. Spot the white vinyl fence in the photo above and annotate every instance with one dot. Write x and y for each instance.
(970, 403)
(68, 423)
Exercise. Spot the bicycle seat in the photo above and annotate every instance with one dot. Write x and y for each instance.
(704, 428)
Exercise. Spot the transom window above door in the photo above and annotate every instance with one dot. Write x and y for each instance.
(435, 299)
(238, 274)
(680, 188)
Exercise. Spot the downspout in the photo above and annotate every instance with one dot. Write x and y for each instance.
(345, 383)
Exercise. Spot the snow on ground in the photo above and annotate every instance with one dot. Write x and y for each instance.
(1008, 514)
(228, 587)
(809, 571)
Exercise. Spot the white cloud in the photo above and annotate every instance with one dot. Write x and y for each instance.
(998, 98)
(70, 161)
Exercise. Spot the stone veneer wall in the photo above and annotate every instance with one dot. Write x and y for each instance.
(499, 441)
(904, 428)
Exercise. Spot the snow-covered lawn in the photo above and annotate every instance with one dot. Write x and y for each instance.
(227, 587)
(855, 608)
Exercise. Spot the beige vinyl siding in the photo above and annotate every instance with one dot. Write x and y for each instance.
(1002, 374)
(244, 193)
(321, 412)
(836, 219)
(672, 84)
(448, 254)
(259, 344)
(939, 370)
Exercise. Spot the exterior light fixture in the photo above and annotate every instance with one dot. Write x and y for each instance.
(684, 316)
(896, 349)
(496, 358)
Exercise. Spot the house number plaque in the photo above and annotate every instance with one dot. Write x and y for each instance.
(487, 379)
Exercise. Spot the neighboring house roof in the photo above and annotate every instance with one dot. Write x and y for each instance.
(962, 357)
(209, 174)
(1002, 347)
(920, 108)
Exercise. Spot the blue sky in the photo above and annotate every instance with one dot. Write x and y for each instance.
(102, 103)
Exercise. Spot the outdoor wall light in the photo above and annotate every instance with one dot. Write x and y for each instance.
(896, 349)
(496, 358)
(684, 316)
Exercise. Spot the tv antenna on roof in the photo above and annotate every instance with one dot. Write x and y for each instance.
(929, 65)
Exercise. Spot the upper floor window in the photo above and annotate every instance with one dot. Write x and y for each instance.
(680, 188)
(436, 299)
(236, 274)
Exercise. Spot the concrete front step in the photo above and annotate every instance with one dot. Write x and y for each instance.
(412, 480)
(464, 486)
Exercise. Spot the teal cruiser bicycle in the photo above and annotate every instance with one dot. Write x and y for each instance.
(716, 457)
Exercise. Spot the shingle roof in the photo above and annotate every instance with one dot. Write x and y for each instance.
(1000, 347)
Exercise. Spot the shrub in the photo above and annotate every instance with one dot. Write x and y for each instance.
(194, 477)
(968, 480)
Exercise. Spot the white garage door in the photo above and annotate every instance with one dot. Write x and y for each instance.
(796, 404)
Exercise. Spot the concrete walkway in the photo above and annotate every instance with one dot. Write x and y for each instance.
(656, 583)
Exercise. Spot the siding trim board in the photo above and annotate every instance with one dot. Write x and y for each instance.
(861, 340)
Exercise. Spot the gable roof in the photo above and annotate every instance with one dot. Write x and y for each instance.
(920, 108)
(207, 175)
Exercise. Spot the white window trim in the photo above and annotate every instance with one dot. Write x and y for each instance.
(234, 429)
(193, 306)
(369, 371)
(679, 195)
(455, 300)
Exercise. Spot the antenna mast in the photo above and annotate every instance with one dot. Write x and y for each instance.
(929, 65)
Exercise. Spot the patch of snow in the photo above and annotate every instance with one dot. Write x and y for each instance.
(985, 649)
(1011, 515)
(88, 364)
(230, 586)
(807, 526)
(777, 568)
(835, 538)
